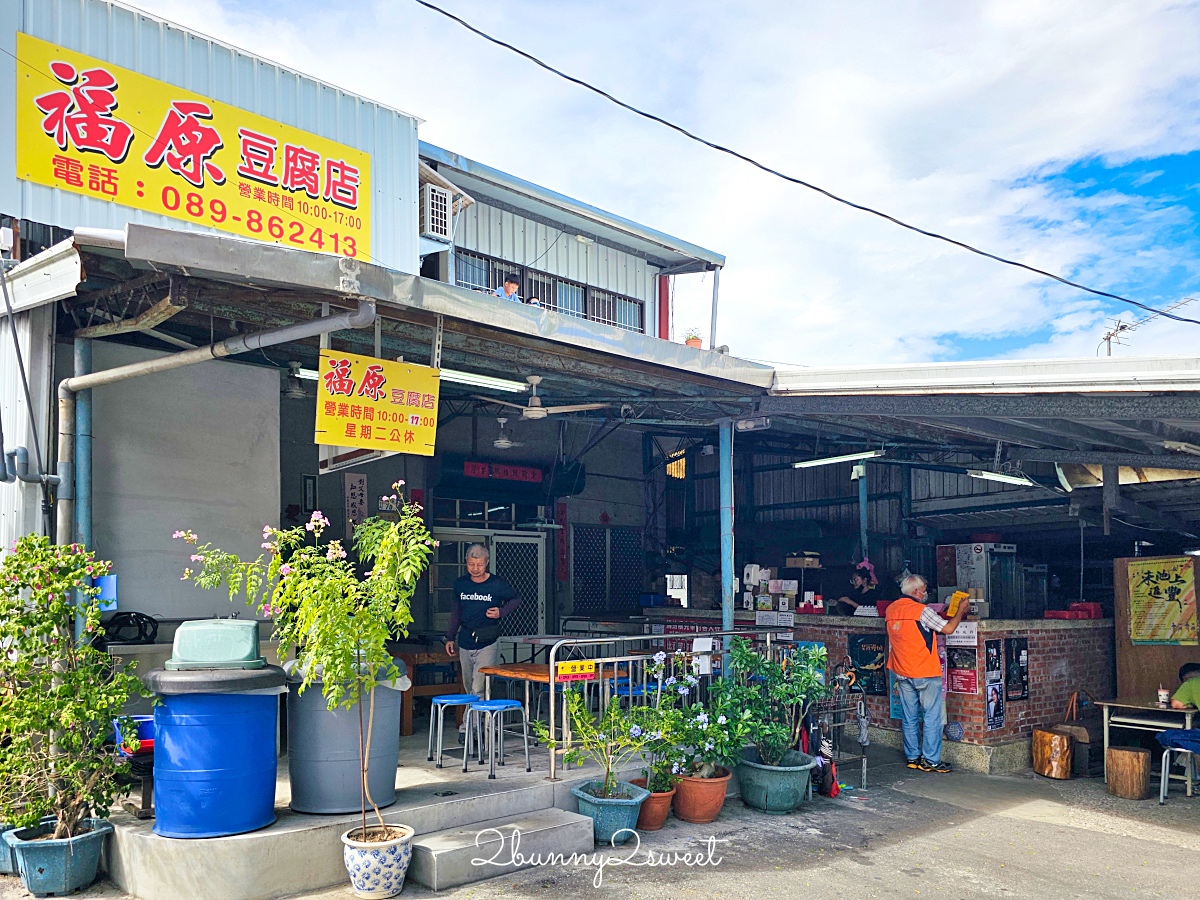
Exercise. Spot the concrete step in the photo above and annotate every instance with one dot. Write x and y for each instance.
(456, 856)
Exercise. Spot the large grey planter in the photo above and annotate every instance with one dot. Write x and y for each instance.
(775, 790)
(323, 751)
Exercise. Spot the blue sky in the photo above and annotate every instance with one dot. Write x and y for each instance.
(1066, 135)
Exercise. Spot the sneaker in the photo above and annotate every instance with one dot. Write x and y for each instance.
(941, 768)
(915, 763)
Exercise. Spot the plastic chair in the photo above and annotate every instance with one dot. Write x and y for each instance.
(1165, 779)
(436, 714)
(490, 714)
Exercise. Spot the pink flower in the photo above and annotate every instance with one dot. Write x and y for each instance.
(308, 526)
(196, 557)
(267, 545)
(285, 569)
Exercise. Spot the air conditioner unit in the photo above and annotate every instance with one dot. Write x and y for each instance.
(435, 213)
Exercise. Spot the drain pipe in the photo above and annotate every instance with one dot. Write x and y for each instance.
(68, 388)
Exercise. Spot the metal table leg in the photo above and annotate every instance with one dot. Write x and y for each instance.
(1107, 712)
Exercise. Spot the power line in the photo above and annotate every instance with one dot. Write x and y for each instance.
(790, 178)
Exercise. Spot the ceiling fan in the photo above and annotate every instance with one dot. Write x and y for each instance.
(503, 441)
(535, 410)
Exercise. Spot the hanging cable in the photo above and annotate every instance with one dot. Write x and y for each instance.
(790, 178)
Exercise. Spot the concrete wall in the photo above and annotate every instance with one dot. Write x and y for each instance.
(192, 448)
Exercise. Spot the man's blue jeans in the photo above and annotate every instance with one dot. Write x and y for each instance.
(924, 695)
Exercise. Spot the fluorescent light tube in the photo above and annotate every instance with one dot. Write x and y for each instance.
(1022, 480)
(470, 378)
(484, 381)
(830, 460)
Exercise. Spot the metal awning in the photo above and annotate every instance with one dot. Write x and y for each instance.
(506, 191)
(140, 276)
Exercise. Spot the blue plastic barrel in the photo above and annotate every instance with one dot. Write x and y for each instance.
(214, 764)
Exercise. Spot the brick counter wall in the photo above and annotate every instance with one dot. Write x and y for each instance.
(1064, 656)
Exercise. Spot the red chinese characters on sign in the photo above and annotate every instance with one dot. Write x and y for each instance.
(258, 156)
(103, 180)
(338, 380)
(187, 144)
(83, 116)
(503, 472)
(301, 170)
(341, 183)
(372, 384)
(69, 171)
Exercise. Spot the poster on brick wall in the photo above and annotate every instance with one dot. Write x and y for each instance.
(962, 670)
(868, 654)
(1016, 664)
(993, 678)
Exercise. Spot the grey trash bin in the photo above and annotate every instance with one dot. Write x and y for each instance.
(323, 763)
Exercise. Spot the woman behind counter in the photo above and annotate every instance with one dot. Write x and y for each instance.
(863, 591)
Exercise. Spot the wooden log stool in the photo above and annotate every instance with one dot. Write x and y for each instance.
(1128, 772)
(1052, 753)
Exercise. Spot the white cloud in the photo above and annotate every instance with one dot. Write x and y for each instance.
(938, 112)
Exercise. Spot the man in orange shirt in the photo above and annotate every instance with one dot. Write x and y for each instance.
(912, 629)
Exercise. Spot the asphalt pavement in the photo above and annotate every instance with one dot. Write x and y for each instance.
(907, 834)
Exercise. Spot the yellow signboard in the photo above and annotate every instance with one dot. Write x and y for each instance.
(376, 404)
(576, 670)
(92, 128)
(1162, 601)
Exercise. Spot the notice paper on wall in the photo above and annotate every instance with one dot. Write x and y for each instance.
(766, 617)
(965, 635)
(702, 649)
(993, 677)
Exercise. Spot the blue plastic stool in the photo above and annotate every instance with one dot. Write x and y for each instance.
(490, 713)
(435, 714)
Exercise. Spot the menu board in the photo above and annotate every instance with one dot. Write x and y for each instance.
(1162, 601)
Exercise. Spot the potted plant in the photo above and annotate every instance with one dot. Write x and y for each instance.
(339, 625)
(709, 741)
(612, 741)
(660, 722)
(59, 697)
(774, 773)
(692, 338)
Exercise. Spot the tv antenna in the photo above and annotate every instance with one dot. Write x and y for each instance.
(1120, 329)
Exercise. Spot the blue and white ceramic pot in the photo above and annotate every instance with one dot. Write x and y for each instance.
(377, 869)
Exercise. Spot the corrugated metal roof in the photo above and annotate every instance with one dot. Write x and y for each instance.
(660, 249)
(1032, 376)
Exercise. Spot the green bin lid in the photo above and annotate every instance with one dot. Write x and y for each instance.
(216, 644)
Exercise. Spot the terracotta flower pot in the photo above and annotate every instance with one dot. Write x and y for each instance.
(699, 800)
(655, 808)
(696, 343)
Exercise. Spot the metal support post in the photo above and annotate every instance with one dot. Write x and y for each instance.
(712, 330)
(725, 449)
(862, 511)
(83, 460)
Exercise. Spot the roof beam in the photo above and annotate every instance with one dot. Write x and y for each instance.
(1160, 431)
(1088, 434)
(1003, 431)
(1182, 461)
(1143, 514)
(1133, 405)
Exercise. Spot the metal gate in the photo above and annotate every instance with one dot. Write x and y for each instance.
(517, 557)
(606, 569)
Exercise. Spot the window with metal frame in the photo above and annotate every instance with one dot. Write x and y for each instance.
(479, 272)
